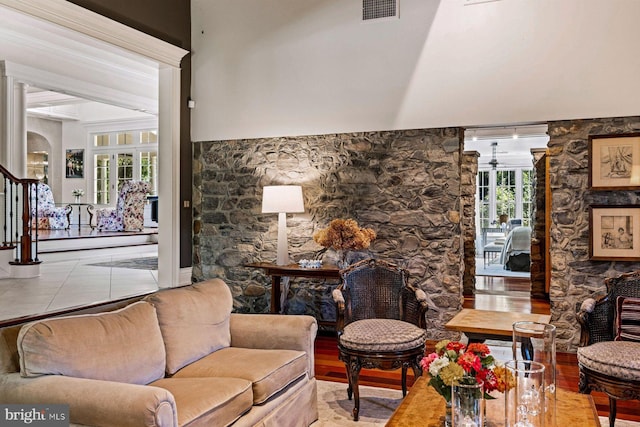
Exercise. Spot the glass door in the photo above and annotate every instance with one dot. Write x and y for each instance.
(106, 166)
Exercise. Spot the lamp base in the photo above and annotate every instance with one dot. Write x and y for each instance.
(283, 244)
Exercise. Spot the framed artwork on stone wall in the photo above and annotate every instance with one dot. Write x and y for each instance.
(611, 233)
(614, 162)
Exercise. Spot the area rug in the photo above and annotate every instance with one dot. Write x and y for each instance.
(376, 407)
(148, 263)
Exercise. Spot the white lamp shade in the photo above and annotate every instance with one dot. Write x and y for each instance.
(282, 199)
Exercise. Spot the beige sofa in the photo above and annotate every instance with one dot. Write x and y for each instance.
(179, 357)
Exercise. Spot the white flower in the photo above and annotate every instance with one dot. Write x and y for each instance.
(436, 365)
(77, 192)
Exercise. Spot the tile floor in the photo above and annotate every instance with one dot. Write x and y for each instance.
(66, 280)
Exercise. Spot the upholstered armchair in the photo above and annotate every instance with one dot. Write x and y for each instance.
(609, 353)
(44, 209)
(128, 215)
(380, 320)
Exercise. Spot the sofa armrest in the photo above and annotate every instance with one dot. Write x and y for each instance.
(94, 402)
(275, 331)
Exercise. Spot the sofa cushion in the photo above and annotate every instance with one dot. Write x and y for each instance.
(619, 359)
(268, 370)
(627, 319)
(124, 346)
(210, 401)
(194, 321)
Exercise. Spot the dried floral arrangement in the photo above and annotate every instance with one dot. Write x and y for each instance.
(345, 234)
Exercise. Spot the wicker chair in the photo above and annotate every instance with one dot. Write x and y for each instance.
(608, 358)
(380, 322)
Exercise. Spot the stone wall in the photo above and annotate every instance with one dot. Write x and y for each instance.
(468, 191)
(403, 184)
(574, 276)
(538, 233)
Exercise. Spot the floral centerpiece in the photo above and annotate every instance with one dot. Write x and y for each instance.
(454, 361)
(344, 235)
(77, 193)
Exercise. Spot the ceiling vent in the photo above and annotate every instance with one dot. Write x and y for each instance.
(379, 9)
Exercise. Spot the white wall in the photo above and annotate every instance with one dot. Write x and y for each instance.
(289, 67)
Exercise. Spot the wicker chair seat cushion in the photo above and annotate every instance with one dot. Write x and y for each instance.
(382, 335)
(620, 359)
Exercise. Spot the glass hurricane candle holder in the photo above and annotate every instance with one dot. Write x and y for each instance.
(537, 341)
(467, 403)
(525, 399)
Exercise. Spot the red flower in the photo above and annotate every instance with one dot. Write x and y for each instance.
(480, 349)
(489, 378)
(456, 346)
(470, 362)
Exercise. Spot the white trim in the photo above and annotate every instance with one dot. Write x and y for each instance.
(86, 22)
(168, 57)
(168, 179)
(73, 86)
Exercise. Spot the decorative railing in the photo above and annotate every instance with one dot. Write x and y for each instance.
(19, 232)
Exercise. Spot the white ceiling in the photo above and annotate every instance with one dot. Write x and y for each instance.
(63, 107)
(510, 151)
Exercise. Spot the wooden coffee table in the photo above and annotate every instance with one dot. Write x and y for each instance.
(480, 325)
(424, 407)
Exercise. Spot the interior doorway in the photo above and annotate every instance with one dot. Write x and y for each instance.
(505, 203)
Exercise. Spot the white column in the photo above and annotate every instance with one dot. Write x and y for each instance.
(13, 121)
(19, 140)
(169, 203)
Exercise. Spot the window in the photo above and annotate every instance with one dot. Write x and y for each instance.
(484, 199)
(124, 138)
(150, 137)
(504, 192)
(101, 179)
(122, 156)
(101, 140)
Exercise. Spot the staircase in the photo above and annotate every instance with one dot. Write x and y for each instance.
(19, 245)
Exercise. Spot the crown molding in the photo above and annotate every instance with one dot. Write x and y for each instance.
(84, 21)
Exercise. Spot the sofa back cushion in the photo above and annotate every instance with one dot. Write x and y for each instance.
(194, 321)
(627, 319)
(124, 346)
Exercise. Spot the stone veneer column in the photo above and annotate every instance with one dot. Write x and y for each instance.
(538, 247)
(404, 184)
(468, 194)
(574, 276)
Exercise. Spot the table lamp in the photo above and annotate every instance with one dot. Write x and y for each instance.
(282, 199)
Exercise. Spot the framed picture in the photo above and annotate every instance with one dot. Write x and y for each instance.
(614, 162)
(611, 233)
(74, 163)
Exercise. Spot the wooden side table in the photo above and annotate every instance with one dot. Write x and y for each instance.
(292, 270)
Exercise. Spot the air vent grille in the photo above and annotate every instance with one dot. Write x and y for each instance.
(379, 9)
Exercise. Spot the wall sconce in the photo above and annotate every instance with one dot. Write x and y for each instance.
(282, 199)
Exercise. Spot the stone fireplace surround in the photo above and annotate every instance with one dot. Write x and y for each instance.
(408, 186)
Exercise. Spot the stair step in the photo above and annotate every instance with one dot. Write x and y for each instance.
(67, 245)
